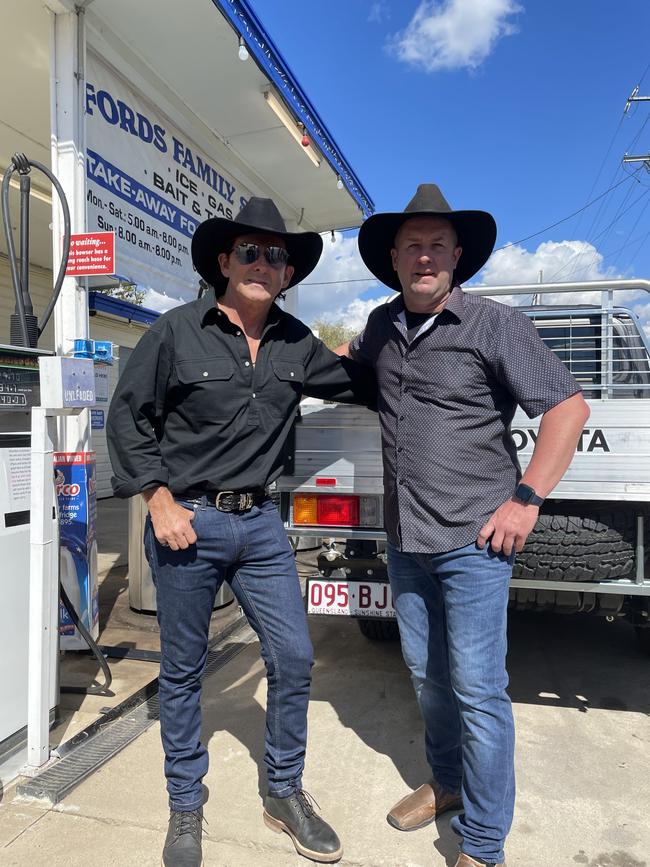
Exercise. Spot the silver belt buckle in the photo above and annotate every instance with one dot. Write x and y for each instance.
(217, 499)
(245, 502)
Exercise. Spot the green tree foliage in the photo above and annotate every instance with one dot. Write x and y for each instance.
(126, 292)
(333, 334)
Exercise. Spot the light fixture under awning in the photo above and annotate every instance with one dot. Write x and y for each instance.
(292, 125)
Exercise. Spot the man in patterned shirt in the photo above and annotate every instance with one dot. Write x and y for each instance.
(451, 369)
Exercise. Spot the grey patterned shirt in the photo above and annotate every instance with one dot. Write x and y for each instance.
(446, 401)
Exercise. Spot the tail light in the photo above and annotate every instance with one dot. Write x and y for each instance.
(335, 510)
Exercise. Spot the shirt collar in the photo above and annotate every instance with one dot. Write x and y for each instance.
(208, 310)
(207, 304)
(455, 304)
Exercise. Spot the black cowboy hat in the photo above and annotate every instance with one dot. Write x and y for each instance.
(217, 234)
(476, 232)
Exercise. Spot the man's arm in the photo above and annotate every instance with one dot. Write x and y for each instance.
(559, 432)
(331, 376)
(134, 414)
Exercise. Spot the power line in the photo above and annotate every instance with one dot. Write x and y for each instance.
(600, 170)
(616, 132)
(577, 256)
(597, 258)
(574, 214)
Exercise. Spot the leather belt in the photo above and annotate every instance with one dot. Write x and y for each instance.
(227, 501)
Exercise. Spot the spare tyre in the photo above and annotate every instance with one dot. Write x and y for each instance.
(378, 630)
(589, 544)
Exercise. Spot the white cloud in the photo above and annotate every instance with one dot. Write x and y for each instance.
(379, 11)
(559, 262)
(454, 34)
(332, 290)
(355, 314)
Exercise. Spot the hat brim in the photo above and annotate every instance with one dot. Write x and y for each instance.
(217, 234)
(476, 230)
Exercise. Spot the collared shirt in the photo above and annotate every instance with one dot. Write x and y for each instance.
(446, 401)
(192, 412)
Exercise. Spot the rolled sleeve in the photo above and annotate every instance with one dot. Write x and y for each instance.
(135, 416)
(360, 347)
(534, 375)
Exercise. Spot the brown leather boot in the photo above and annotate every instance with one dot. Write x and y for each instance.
(468, 861)
(422, 806)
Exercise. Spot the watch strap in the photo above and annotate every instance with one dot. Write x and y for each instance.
(528, 495)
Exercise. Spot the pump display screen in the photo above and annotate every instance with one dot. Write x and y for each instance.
(19, 381)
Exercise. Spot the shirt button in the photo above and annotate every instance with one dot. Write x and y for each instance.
(401, 481)
(205, 373)
(238, 333)
(401, 418)
(400, 448)
(254, 395)
(247, 364)
(292, 373)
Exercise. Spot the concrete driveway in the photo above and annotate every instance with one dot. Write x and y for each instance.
(581, 692)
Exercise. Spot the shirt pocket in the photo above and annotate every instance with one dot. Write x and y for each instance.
(206, 389)
(285, 387)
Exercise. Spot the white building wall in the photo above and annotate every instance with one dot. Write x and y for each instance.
(40, 289)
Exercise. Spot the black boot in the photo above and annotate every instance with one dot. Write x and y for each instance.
(183, 841)
(311, 835)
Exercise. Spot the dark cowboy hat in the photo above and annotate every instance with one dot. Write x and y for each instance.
(217, 234)
(476, 232)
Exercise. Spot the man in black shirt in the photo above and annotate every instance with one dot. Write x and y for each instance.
(198, 425)
(451, 369)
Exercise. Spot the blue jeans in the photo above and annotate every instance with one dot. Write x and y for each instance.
(452, 615)
(250, 551)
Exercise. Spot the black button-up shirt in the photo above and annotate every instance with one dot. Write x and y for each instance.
(192, 412)
(446, 401)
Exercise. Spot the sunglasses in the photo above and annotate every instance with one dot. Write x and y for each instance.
(247, 254)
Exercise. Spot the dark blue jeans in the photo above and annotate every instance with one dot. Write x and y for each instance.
(250, 551)
(452, 615)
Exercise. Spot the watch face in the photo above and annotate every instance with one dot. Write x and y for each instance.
(525, 493)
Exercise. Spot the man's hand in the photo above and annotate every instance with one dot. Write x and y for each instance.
(172, 524)
(509, 526)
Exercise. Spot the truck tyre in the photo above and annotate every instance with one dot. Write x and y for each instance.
(643, 638)
(586, 545)
(378, 630)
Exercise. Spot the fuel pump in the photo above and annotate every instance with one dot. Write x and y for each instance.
(20, 392)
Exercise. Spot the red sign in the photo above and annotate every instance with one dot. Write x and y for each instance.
(91, 253)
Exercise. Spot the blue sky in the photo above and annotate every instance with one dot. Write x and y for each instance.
(515, 108)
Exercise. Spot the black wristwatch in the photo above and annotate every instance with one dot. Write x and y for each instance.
(527, 495)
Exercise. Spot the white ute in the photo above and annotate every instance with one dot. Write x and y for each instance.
(587, 553)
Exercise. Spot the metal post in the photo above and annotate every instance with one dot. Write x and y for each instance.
(43, 588)
(67, 83)
(640, 550)
(606, 348)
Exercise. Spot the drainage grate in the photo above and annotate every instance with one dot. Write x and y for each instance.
(93, 747)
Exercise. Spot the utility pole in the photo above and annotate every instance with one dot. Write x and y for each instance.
(634, 97)
(537, 297)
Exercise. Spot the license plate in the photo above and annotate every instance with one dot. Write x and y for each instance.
(349, 598)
